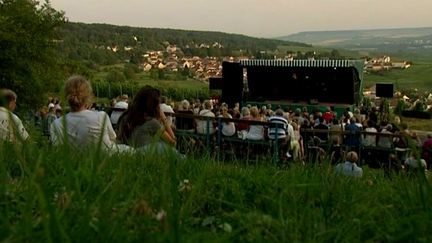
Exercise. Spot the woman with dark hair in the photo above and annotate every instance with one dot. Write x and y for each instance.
(143, 123)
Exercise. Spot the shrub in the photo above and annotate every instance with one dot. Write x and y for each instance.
(416, 114)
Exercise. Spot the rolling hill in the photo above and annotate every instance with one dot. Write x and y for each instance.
(412, 40)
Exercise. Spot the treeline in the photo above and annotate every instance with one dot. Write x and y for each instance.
(94, 42)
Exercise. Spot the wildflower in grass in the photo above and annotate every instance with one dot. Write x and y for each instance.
(185, 186)
(161, 215)
(226, 227)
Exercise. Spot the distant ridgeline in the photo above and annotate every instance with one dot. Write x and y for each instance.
(414, 40)
(103, 43)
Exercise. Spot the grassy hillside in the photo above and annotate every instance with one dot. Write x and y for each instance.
(419, 76)
(55, 195)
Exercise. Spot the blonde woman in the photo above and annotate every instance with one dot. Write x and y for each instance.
(82, 128)
(256, 132)
(228, 128)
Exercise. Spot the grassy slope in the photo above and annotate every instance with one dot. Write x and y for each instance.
(419, 76)
(57, 195)
(143, 78)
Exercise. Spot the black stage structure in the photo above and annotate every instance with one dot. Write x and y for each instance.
(291, 82)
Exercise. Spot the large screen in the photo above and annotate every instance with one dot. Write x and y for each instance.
(303, 84)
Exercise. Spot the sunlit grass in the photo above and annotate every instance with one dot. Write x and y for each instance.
(56, 195)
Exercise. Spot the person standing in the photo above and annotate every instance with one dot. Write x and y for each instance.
(11, 127)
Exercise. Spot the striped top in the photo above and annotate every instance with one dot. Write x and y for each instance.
(299, 63)
(279, 128)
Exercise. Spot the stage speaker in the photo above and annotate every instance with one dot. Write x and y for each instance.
(384, 90)
(215, 83)
(232, 84)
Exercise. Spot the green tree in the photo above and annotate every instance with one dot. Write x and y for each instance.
(29, 63)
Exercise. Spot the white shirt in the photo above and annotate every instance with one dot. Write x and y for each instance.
(115, 115)
(256, 132)
(10, 126)
(228, 128)
(370, 140)
(201, 125)
(84, 129)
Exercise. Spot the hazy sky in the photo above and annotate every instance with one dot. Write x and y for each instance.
(261, 18)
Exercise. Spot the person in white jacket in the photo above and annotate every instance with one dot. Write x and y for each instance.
(11, 127)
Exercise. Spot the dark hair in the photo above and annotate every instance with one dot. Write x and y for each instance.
(144, 106)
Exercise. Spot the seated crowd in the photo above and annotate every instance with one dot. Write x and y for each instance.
(148, 119)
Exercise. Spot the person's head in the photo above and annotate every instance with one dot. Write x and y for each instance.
(352, 156)
(207, 105)
(78, 92)
(224, 110)
(279, 112)
(397, 120)
(124, 97)
(146, 103)
(144, 106)
(245, 111)
(389, 127)
(8, 99)
(163, 99)
(185, 105)
(254, 111)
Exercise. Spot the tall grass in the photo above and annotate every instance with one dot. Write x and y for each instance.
(54, 194)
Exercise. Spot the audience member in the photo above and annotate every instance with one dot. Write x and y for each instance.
(228, 127)
(82, 128)
(203, 125)
(349, 168)
(165, 108)
(11, 127)
(144, 124)
(185, 123)
(119, 107)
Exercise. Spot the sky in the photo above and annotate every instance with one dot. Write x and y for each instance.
(259, 18)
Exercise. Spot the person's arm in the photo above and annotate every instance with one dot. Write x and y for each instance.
(168, 134)
(20, 129)
(168, 138)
